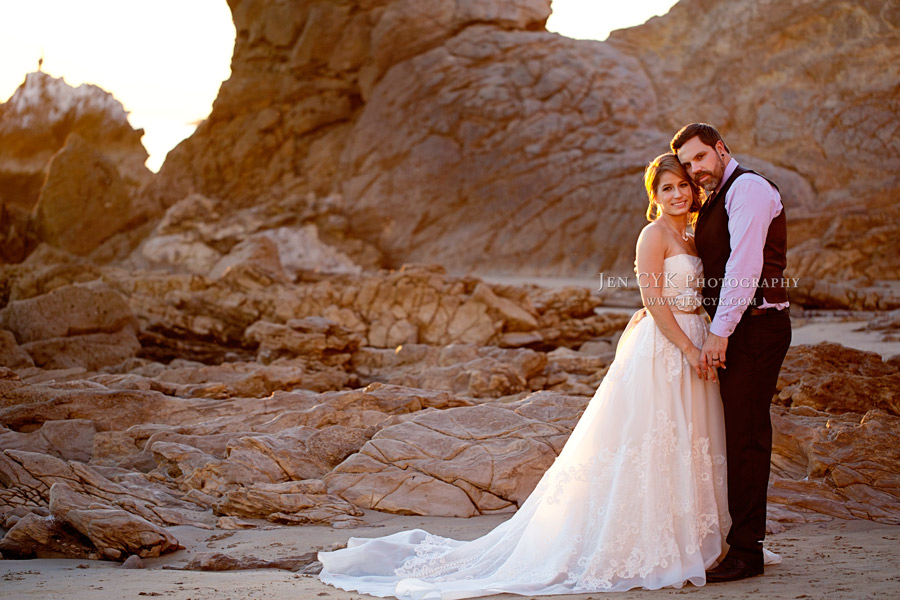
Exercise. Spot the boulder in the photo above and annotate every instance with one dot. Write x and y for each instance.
(83, 201)
(80, 325)
(571, 372)
(198, 233)
(28, 478)
(216, 561)
(458, 462)
(90, 351)
(70, 439)
(134, 562)
(311, 338)
(524, 144)
(302, 250)
(49, 268)
(29, 406)
(844, 466)
(115, 533)
(76, 309)
(39, 118)
(229, 380)
(859, 293)
(834, 378)
(35, 536)
(180, 251)
(292, 502)
(253, 262)
(298, 453)
(289, 144)
(12, 355)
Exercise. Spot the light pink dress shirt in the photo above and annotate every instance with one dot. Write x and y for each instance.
(751, 204)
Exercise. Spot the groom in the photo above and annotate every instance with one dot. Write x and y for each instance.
(741, 238)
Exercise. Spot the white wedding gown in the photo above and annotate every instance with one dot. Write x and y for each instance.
(636, 498)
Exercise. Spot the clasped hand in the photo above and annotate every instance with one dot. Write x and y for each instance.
(711, 357)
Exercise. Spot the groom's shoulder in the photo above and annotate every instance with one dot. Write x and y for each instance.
(752, 182)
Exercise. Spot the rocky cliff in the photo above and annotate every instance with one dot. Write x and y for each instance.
(810, 88)
(462, 133)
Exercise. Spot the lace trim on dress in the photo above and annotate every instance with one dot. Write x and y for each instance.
(628, 554)
(430, 561)
(599, 561)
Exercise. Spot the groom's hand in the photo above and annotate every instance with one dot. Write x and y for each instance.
(712, 355)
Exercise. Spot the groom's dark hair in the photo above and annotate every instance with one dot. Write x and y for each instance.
(708, 134)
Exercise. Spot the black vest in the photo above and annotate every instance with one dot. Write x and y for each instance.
(714, 247)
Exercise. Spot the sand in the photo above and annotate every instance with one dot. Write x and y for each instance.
(850, 333)
(832, 560)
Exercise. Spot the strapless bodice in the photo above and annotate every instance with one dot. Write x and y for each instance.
(683, 276)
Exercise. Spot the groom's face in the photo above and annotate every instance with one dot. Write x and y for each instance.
(703, 163)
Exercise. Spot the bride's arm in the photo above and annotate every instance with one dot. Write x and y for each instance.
(651, 251)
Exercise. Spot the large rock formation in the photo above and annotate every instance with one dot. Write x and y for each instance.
(39, 117)
(834, 466)
(801, 85)
(833, 378)
(460, 462)
(462, 133)
(389, 106)
(98, 167)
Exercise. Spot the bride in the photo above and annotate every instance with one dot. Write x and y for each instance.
(637, 497)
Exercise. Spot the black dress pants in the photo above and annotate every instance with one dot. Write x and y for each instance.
(756, 349)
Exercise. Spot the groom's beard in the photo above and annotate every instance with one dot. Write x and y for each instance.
(715, 176)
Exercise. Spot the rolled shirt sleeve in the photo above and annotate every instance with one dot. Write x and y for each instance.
(751, 204)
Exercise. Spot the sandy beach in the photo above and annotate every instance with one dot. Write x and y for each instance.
(831, 560)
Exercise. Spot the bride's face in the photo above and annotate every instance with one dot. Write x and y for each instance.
(674, 194)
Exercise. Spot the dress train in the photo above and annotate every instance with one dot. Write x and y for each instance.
(636, 498)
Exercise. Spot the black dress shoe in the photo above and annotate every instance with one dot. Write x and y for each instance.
(732, 569)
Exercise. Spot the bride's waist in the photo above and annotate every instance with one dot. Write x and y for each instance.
(696, 311)
(681, 301)
(687, 311)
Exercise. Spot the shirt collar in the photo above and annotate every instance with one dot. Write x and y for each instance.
(732, 165)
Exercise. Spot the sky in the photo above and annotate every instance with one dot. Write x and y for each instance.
(164, 60)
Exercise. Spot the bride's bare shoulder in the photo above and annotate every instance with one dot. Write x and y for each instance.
(652, 232)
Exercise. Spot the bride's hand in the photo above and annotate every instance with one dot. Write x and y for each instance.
(693, 357)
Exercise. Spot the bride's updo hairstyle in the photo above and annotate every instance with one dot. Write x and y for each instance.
(663, 163)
